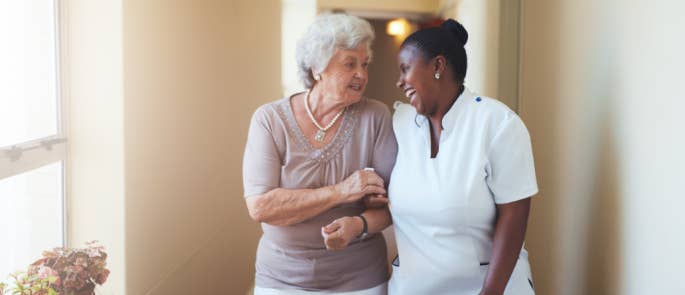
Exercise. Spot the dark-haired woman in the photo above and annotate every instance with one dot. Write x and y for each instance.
(461, 186)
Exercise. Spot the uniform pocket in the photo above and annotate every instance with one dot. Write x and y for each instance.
(531, 284)
(521, 281)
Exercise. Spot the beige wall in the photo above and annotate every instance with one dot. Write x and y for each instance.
(493, 45)
(296, 17)
(416, 6)
(161, 97)
(601, 97)
(481, 19)
(194, 73)
(384, 70)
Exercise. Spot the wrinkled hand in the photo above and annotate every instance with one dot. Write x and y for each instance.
(375, 201)
(339, 233)
(359, 184)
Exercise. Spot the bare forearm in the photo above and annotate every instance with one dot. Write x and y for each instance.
(291, 206)
(510, 231)
(377, 219)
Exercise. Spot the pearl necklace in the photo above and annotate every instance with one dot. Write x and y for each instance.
(321, 133)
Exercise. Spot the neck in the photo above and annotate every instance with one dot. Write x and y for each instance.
(448, 94)
(323, 105)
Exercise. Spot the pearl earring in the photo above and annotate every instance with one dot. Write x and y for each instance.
(437, 76)
(317, 77)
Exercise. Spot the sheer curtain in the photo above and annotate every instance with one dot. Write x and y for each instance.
(32, 143)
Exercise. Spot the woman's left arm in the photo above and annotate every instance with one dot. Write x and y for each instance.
(510, 231)
(343, 230)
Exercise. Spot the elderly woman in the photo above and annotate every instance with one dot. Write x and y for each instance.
(315, 170)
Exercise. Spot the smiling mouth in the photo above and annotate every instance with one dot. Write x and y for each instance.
(409, 93)
(356, 87)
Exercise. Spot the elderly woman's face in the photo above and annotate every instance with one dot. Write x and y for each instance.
(347, 74)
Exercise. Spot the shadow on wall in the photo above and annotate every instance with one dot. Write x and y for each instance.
(541, 118)
(566, 102)
(603, 264)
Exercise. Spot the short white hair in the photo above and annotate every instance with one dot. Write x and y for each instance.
(324, 36)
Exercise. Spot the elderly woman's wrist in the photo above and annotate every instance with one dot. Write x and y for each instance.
(336, 194)
(358, 225)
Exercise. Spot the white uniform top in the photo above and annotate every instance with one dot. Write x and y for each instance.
(443, 208)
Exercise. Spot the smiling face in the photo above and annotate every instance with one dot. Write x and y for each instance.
(346, 75)
(417, 80)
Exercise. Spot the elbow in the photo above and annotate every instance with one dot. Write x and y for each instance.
(256, 216)
(262, 210)
(255, 208)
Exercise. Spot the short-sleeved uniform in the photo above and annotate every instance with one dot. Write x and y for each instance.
(278, 155)
(443, 208)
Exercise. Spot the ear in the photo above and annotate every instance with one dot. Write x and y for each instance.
(439, 64)
(315, 76)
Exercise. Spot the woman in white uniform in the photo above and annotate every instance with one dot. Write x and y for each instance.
(461, 186)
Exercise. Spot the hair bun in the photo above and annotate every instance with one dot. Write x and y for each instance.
(458, 31)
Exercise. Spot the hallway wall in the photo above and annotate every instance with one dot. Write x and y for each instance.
(416, 6)
(194, 71)
(493, 46)
(384, 70)
(160, 96)
(601, 96)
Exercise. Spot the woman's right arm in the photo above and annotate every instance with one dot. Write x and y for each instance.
(284, 207)
(290, 206)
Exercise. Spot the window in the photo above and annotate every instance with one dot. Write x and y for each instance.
(32, 142)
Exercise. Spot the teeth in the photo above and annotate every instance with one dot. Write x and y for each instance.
(409, 93)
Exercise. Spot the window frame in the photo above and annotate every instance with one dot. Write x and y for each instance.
(26, 156)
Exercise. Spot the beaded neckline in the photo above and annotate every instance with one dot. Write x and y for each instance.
(330, 150)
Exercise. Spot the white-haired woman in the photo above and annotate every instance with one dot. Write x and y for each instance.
(306, 171)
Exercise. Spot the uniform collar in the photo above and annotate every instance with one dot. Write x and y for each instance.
(449, 120)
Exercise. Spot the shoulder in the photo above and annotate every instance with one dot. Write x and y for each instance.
(486, 110)
(487, 114)
(491, 108)
(267, 113)
(405, 120)
(498, 118)
(374, 107)
(403, 112)
(270, 109)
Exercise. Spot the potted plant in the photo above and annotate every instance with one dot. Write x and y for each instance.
(62, 271)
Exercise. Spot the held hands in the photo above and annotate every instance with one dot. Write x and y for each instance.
(360, 184)
(338, 234)
(364, 184)
(375, 201)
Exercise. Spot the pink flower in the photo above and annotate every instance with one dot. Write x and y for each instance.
(101, 278)
(46, 272)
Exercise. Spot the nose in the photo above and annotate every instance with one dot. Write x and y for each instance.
(360, 74)
(400, 83)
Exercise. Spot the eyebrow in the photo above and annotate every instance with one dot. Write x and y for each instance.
(346, 57)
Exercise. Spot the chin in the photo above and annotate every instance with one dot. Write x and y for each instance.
(354, 98)
(418, 107)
